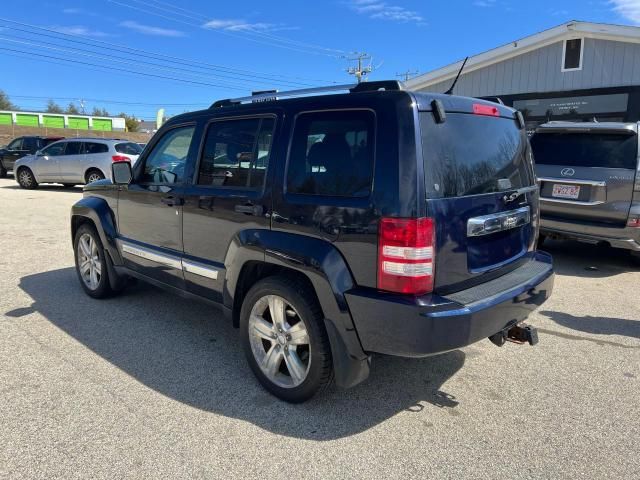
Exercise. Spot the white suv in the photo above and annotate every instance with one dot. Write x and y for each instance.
(74, 161)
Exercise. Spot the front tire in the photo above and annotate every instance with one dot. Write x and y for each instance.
(26, 179)
(91, 265)
(93, 176)
(284, 339)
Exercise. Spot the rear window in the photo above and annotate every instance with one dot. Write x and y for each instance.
(474, 154)
(128, 148)
(585, 149)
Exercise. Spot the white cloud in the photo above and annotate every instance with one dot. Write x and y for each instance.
(629, 9)
(150, 30)
(485, 3)
(231, 25)
(381, 10)
(80, 30)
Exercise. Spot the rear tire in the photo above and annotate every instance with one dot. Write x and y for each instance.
(635, 258)
(26, 179)
(289, 351)
(3, 172)
(91, 265)
(68, 185)
(93, 175)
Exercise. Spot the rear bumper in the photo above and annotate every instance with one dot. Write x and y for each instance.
(416, 327)
(618, 237)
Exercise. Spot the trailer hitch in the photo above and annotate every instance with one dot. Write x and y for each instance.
(519, 334)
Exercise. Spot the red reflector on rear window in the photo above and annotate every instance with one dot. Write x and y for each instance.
(480, 109)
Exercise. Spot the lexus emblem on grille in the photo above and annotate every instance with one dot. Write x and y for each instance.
(568, 172)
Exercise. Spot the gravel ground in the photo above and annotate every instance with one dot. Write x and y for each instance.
(149, 385)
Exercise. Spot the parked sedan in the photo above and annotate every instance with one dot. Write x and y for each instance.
(74, 161)
(18, 148)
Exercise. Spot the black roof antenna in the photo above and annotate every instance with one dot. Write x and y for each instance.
(450, 91)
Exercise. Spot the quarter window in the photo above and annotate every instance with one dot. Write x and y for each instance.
(236, 153)
(92, 147)
(332, 154)
(165, 164)
(128, 148)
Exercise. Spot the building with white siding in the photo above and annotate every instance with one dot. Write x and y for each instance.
(576, 71)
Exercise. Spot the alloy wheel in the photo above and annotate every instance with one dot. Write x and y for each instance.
(24, 178)
(279, 341)
(89, 263)
(94, 177)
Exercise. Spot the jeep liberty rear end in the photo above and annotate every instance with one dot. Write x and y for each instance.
(467, 268)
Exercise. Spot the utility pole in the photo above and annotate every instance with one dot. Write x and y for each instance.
(408, 74)
(359, 71)
(81, 102)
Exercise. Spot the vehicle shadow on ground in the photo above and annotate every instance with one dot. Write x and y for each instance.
(596, 325)
(189, 352)
(577, 259)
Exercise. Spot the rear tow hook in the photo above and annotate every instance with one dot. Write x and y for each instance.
(519, 334)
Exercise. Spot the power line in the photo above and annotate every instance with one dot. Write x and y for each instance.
(204, 17)
(268, 39)
(115, 102)
(408, 74)
(69, 37)
(360, 70)
(126, 61)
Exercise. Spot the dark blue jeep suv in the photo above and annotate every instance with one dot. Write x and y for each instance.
(330, 227)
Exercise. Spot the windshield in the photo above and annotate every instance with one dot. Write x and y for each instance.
(474, 154)
(128, 148)
(585, 149)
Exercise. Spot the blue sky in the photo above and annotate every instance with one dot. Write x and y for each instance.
(225, 49)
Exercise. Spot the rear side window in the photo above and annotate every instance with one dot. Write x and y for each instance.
(474, 154)
(128, 148)
(73, 148)
(236, 153)
(93, 147)
(585, 149)
(332, 154)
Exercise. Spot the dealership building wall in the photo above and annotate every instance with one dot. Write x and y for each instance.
(53, 120)
(577, 71)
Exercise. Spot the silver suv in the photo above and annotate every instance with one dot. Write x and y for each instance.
(74, 161)
(589, 182)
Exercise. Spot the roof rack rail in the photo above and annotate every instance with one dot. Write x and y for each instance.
(353, 88)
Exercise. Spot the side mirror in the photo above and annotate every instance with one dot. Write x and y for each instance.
(39, 153)
(121, 173)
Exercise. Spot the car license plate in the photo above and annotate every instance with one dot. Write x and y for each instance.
(566, 191)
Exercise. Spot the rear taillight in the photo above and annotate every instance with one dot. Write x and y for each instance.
(480, 109)
(406, 254)
(120, 158)
(633, 222)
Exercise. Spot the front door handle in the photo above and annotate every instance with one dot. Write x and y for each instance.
(172, 201)
(249, 209)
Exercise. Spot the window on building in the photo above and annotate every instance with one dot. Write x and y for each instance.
(572, 57)
(332, 154)
(236, 153)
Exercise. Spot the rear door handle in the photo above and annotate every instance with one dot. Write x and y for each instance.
(249, 209)
(172, 201)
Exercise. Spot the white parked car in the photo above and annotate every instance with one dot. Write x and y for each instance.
(74, 161)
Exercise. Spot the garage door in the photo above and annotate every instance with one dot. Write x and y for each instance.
(5, 119)
(79, 123)
(53, 122)
(103, 124)
(24, 120)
